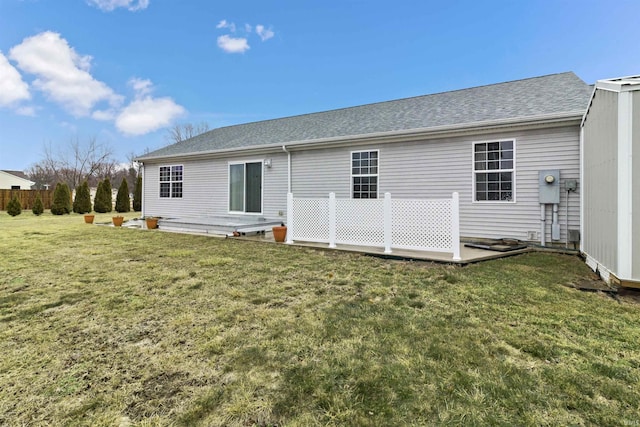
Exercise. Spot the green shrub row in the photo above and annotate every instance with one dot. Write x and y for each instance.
(82, 202)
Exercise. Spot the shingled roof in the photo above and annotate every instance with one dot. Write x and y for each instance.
(18, 174)
(553, 96)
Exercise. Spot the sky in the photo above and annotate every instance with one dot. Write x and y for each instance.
(122, 72)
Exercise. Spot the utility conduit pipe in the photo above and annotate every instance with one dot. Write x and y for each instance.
(555, 225)
(543, 240)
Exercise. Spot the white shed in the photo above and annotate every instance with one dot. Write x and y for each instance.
(14, 180)
(610, 208)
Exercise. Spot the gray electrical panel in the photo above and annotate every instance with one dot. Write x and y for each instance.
(549, 186)
(571, 185)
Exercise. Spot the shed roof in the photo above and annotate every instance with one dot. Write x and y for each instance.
(18, 174)
(556, 95)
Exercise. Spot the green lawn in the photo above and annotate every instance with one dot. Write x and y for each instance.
(106, 326)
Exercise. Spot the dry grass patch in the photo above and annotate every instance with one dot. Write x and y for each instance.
(102, 326)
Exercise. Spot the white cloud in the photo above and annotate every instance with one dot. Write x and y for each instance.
(110, 5)
(264, 33)
(61, 73)
(26, 111)
(228, 25)
(146, 114)
(241, 44)
(141, 86)
(12, 88)
(104, 115)
(232, 44)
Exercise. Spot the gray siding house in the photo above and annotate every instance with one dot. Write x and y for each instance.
(611, 189)
(487, 143)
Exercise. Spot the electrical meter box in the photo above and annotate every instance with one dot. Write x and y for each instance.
(549, 186)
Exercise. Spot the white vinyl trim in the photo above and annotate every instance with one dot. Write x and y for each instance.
(171, 181)
(244, 162)
(580, 193)
(376, 175)
(473, 173)
(625, 185)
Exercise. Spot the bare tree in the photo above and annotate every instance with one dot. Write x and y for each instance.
(182, 132)
(42, 175)
(75, 162)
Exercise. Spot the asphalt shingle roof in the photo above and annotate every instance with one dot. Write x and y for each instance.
(552, 95)
(19, 174)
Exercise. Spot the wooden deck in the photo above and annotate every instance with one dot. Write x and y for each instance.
(221, 225)
(468, 255)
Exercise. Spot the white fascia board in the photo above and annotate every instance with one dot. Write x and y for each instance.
(621, 84)
(581, 193)
(586, 113)
(625, 186)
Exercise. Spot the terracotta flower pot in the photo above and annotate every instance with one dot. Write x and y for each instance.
(89, 218)
(280, 233)
(152, 223)
(118, 220)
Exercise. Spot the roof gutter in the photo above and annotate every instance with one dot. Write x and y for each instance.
(393, 136)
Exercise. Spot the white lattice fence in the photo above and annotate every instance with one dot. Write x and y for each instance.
(428, 225)
(422, 224)
(311, 220)
(360, 222)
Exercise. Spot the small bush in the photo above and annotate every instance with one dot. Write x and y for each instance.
(82, 202)
(106, 190)
(102, 201)
(38, 207)
(137, 195)
(123, 202)
(13, 207)
(61, 200)
(98, 204)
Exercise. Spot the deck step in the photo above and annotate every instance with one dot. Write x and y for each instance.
(220, 226)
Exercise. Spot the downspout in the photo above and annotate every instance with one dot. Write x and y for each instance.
(284, 148)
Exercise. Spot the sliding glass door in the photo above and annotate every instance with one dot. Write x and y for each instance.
(245, 187)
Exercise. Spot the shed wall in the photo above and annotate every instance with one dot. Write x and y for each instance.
(436, 168)
(205, 188)
(8, 180)
(600, 188)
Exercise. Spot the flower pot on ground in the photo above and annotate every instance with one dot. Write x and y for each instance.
(152, 223)
(118, 220)
(89, 218)
(279, 233)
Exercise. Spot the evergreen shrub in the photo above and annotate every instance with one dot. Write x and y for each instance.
(137, 195)
(38, 207)
(13, 207)
(123, 202)
(82, 202)
(61, 200)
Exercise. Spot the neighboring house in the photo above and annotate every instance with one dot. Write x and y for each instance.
(611, 180)
(14, 180)
(487, 143)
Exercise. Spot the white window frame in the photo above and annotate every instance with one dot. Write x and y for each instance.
(512, 170)
(170, 182)
(244, 162)
(376, 175)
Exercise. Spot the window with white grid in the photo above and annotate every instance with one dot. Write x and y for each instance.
(364, 174)
(171, 181)
(494, 171)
